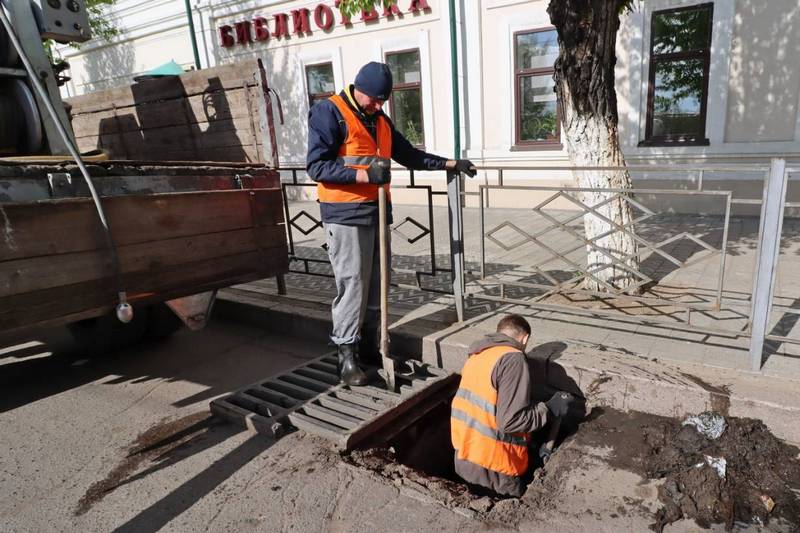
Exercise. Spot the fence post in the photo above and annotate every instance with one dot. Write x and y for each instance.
(454, 215)
(769, 241)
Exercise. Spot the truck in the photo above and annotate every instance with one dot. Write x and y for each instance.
(119, 249)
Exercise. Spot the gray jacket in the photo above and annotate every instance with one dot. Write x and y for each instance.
(516, 413)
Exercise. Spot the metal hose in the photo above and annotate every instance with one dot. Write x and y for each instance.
(124, 309)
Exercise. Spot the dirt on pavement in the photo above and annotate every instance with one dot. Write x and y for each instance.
(154, 445)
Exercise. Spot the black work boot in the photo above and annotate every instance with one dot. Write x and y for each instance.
(368, 350)
(349, 373)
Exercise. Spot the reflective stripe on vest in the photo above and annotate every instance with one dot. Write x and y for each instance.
(473, 426)
(358, 151)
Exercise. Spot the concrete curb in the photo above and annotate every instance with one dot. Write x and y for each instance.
(299, 319)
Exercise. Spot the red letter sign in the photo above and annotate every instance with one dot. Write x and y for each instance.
(370, 15)
(281, 26)
(243, 32)
(345, 19)
(392, 10)
(416, 5)
(300, 21)
(225, 36)
(261, 29)
(323, 17)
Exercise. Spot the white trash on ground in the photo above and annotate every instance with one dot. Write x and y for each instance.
(719, 464)
(709, 424)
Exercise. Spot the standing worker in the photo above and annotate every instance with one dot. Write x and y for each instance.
(350, 147)
(492, 414)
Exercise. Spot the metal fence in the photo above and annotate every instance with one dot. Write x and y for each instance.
(689, 271)
(416, 231)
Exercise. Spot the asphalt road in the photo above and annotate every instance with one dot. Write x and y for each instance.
(124, 442)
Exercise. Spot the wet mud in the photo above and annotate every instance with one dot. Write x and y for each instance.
(761, 482)
(160, 444)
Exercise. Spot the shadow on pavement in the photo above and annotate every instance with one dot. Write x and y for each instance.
(222, 357)
(190, 492)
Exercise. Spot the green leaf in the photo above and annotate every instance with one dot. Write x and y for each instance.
(350, 8)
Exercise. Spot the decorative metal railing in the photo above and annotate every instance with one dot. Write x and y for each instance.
(681, 262)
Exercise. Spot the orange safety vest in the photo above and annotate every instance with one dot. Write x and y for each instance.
(473, 427)
(358, 151)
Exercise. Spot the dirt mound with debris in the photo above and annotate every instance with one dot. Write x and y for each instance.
(747, 475)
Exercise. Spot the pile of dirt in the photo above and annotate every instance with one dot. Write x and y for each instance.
(761, 478)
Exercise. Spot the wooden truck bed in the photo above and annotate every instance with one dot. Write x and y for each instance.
(180, 229)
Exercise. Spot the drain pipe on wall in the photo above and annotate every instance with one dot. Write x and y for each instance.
(454, 74)
(190, 19)
(454, 196)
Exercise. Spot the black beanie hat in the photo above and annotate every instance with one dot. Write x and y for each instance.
(375, 80)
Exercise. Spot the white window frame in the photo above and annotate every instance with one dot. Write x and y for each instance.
(420, 40)
(537, 19)
(718, 72)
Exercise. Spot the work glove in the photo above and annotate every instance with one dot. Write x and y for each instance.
(466, 166)
(559, 404)
(378, 172)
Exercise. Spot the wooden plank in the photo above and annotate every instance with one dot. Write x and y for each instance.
(199, 110)
(44, 272)
(140, 151)
(183, 137)
(64, 226)
(52, 305)
(196, 82)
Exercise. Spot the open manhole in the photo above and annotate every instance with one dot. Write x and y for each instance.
(419, 462)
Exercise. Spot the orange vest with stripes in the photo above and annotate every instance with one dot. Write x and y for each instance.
(358, 151)
(473, 427)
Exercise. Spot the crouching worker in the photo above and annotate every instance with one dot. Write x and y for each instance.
(493, 415)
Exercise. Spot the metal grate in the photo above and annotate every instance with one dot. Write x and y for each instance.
(310, 397)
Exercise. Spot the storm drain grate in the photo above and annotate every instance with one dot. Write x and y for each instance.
(310, 397)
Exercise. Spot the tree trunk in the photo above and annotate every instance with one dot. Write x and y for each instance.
(584, 79)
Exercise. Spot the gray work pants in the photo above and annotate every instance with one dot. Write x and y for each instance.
(355, 257)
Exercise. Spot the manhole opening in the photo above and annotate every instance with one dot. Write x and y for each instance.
(421, 457)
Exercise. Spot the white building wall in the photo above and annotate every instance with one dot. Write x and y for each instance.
(754, 87)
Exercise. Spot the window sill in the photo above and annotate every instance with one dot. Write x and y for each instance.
(676, 142)
(552, 146)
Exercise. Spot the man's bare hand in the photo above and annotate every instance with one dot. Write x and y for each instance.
(362, 176)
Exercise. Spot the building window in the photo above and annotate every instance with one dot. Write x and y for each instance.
(536, 107)
(319, 80)
(405, 102)
(677, 97)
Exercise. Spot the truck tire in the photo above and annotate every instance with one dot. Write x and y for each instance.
(97, 336)
(161, 322)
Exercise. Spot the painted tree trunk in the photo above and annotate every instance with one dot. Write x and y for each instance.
(584, 78)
